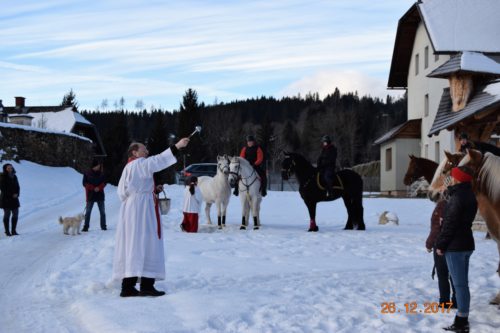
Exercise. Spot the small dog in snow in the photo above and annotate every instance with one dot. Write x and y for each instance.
(72, 222)
(388, 217)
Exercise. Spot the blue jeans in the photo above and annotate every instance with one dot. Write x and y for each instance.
(88, 210)
(458, 265)
(444, 279)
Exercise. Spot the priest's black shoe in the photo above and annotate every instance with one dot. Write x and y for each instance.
(148, 289)
(130, 292)
(151, 292)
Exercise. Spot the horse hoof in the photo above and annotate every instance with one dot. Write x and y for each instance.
(219, 227)
(255, 228)
(243, 228)
(315, 229)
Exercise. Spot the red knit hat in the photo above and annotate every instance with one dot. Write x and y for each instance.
(460, 175)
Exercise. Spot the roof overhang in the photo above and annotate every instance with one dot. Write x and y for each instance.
(410, 129)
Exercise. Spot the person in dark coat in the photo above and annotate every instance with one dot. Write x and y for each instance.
(94, 183)
(456, 241)
(444, 279)
(327, 163)
(9, 185)
(254, 154)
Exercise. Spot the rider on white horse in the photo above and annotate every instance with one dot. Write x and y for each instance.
(254, 154)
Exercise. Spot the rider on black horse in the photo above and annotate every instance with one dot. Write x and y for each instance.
(254, 154)
(327, 162)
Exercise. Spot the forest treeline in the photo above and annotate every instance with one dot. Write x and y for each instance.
(290, 123)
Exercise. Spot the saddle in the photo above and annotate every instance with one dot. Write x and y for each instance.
(337, 182)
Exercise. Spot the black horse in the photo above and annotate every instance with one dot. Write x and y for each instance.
(348, 185)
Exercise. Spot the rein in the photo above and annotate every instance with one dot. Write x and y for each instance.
(241, 179)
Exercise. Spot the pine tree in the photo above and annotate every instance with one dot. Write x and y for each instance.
(188, 119)
(69, 100)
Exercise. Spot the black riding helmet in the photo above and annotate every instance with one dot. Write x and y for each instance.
(250, 138)
(326, 138)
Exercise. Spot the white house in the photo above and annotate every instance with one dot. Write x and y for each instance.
(446, 55)
(54, 118)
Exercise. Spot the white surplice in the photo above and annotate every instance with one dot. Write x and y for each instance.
(138, 249)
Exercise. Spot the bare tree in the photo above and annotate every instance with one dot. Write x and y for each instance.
(139, 105)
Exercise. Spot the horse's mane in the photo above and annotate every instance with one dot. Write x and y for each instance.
(438, 171)
(488, 176)
(299, 159)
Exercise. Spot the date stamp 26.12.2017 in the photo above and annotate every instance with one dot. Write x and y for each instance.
(414, 308)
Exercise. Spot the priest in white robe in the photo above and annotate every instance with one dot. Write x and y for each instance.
(139, 242)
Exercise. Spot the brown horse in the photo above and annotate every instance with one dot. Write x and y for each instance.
(442, 178)
(486, 186)
(419, 167)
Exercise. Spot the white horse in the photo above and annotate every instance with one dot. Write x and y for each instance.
(217, 190)
(243, 175)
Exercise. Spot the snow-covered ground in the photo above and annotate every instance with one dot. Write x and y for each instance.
(278, 279)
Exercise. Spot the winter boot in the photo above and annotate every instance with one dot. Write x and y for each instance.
(460, 325)
(148, 289)
(85, 228)
(219, 222)
(128, 287)
(6, 225)
(14, 225)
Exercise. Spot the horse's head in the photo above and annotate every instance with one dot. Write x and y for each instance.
(472, 160)
(452, 161)
(234, 170)
(223, 164)
(413, 173)
(442, 177)
(287, 166)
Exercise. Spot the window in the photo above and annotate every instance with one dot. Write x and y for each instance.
(436, 57)
(426, 105)
(388, 159)
(437, 152)
(416, 64)
(426, 57)
(426, 151)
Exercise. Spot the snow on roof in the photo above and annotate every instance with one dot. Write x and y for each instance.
(42, 130)
(478, 62)
(462, 25)
(474, 62)
(61, 121)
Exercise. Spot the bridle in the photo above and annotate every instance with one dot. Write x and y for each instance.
(223, 167)
(238, 176)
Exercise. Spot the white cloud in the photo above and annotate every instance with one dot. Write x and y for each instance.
(325, 82)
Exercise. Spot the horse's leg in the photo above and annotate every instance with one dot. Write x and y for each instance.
(255, 213)
(358, 211)
(207, 212)
(496, 299)
(224, 208)
(311, 207)
(348, 205)
(244, 212)
(219, 219)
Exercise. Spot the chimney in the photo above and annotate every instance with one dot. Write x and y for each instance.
(20, 102)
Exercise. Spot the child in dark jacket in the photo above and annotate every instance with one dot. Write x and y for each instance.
(444, 279)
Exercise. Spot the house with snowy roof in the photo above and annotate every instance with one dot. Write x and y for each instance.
(447, 57)
(59, 119)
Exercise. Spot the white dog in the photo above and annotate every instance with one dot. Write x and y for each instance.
(73, 222)
(388, 217)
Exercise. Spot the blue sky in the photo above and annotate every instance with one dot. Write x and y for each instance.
(154, 51)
